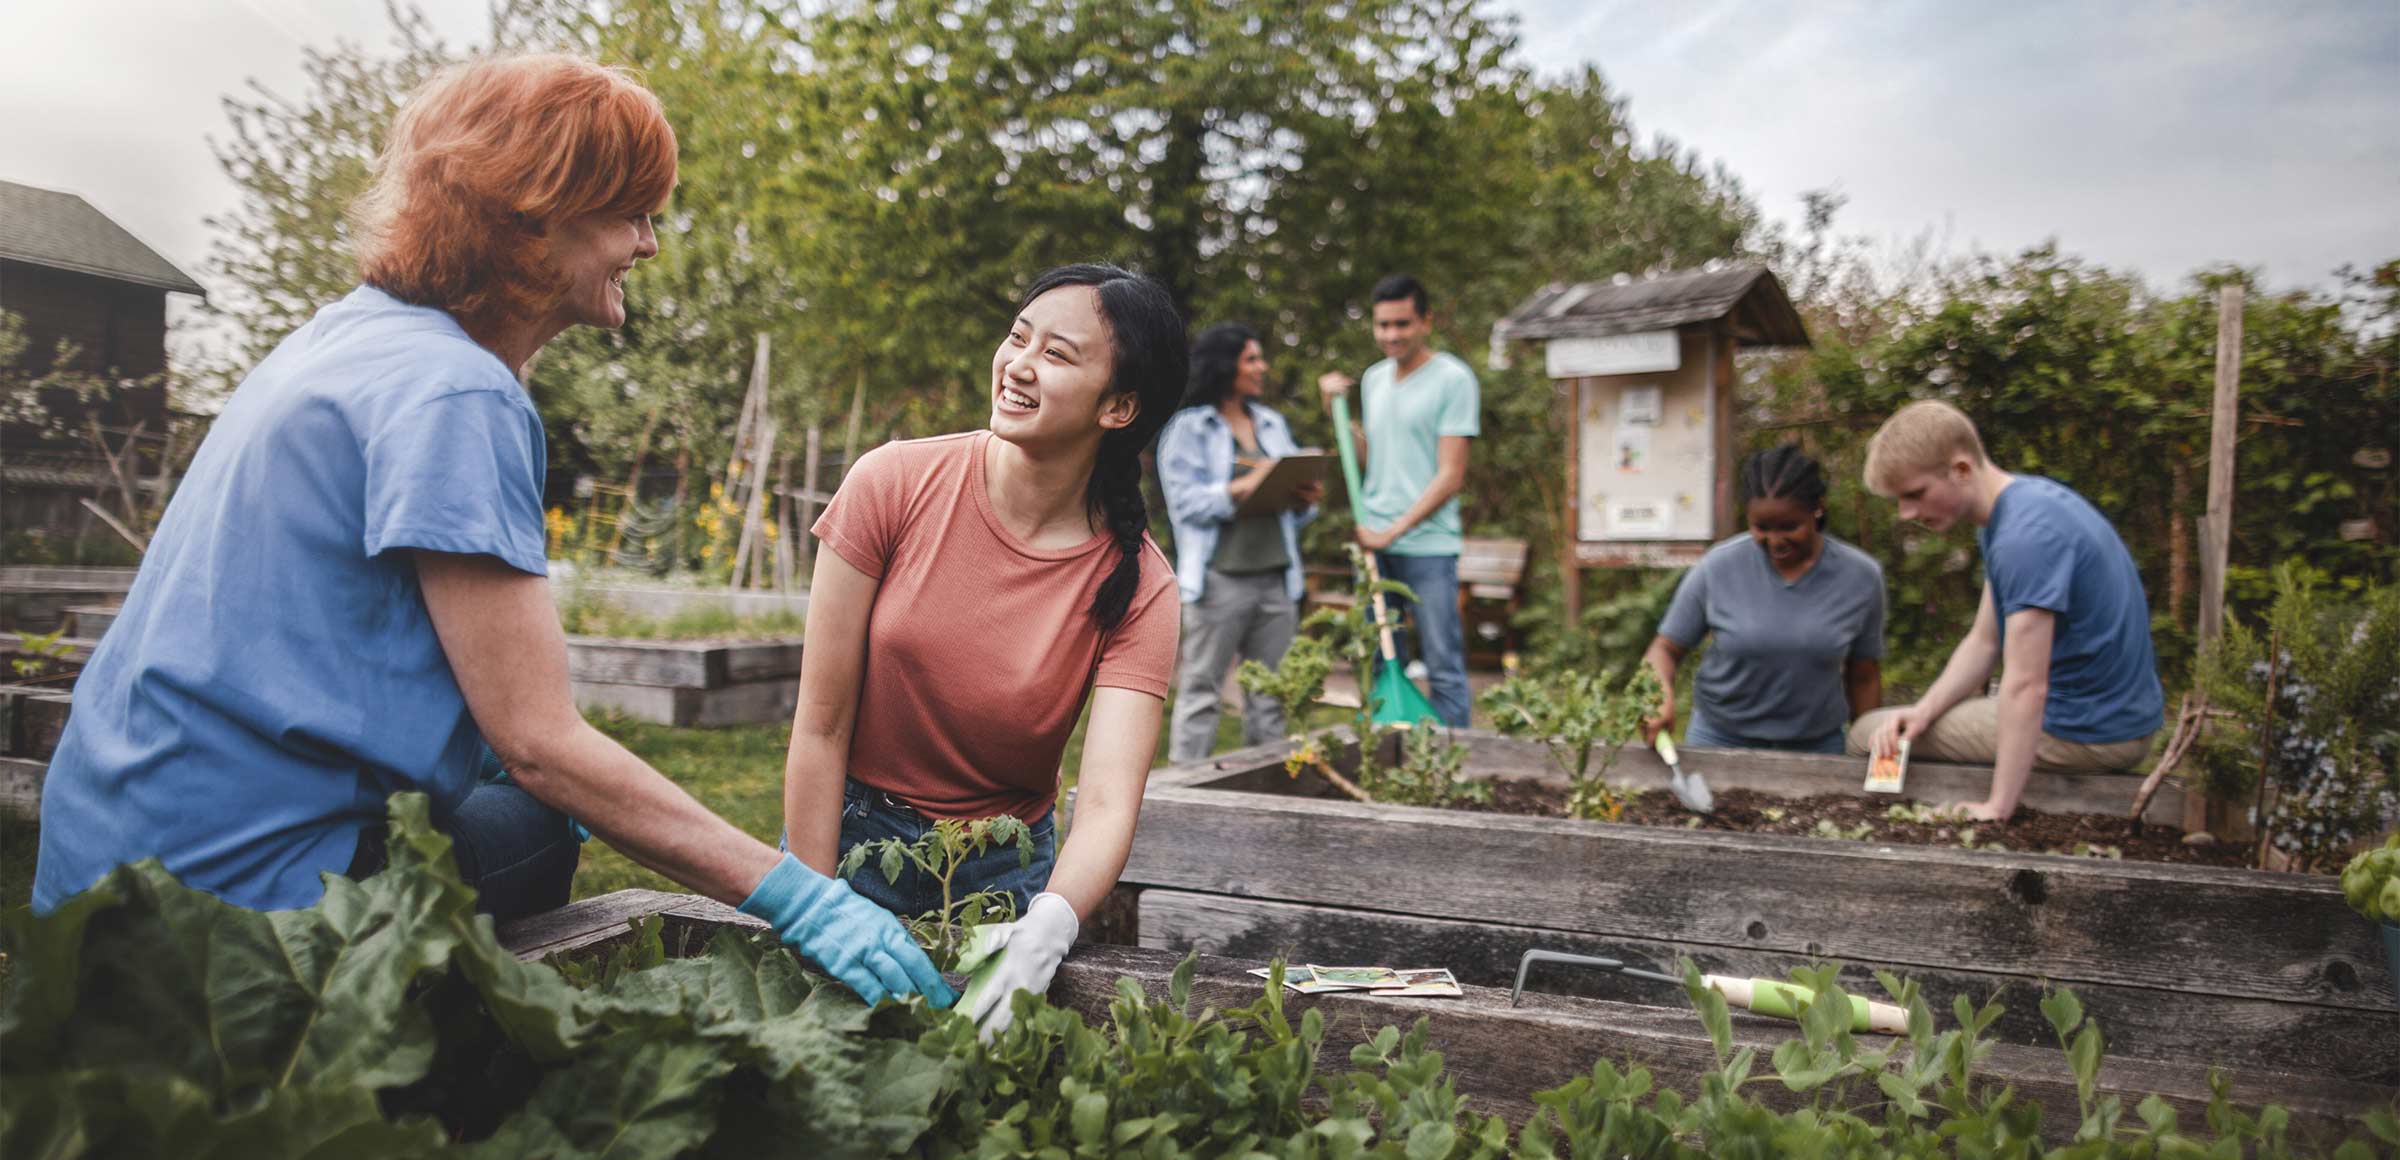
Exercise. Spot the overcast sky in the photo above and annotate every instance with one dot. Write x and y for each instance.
(2149, 135)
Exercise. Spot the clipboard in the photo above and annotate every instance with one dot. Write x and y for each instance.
(1289, 474)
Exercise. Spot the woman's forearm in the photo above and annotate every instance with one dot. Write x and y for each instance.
(814, 773)
(1094, 854)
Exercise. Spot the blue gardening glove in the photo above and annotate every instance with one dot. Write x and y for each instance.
(855, 940)
(1024, 954)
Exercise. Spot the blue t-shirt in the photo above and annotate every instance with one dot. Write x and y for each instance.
(1775, 671)
(2047, 547)
(274, 675)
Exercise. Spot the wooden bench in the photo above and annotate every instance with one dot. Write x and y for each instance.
(1491, 588)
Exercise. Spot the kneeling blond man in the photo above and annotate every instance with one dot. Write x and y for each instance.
(2063, 614)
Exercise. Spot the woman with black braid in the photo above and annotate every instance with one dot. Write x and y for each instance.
(978, 590)
(1797, 616)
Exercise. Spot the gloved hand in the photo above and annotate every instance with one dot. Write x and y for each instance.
(855, 940)
(1025, 953)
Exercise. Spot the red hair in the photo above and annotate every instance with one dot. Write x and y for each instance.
(486, 158)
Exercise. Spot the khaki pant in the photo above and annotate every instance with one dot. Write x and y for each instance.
(1970, 734)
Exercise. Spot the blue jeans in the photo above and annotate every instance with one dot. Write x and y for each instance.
(517, 853)
(1702, 734)
(870, 815)
(1434, 629)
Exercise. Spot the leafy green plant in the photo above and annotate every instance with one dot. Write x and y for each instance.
(1828, 828)
(1577, 716)
(2371, 882)
(1427, 773)
(940, 854)
(145, 1018)
(42, 649)
(1922, 814)
(2310, 737)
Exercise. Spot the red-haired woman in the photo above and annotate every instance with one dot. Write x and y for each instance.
(347, 596)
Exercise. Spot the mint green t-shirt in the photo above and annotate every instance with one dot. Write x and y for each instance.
(1405, 422)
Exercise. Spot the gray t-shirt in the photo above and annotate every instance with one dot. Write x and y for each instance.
(1775, 669)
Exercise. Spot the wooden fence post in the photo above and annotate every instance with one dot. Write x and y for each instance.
(2216, 529)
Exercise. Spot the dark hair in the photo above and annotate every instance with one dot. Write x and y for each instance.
(1216, 362)
(1785, 472)
(1399, 286)
(1146, 337)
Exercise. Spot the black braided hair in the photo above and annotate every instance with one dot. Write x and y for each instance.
(1150, 361)
(1785, 472)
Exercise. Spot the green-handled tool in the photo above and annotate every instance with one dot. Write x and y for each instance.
(1764, 996)
(1396, 701)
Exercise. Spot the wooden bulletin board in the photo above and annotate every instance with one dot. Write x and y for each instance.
(1651, 457)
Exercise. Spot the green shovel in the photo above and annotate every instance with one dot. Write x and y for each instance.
(1395, 702)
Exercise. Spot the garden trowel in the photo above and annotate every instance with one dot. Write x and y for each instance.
(1764, 996)
(1689, 788)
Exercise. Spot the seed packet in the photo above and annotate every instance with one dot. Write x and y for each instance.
(1426, 983)
(1886, 773)
(1363, 977)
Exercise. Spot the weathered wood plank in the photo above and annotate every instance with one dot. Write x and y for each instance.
(585, 923)
(32, 718)
(683, 664)
(1804, 774)
(669, 663)
(92, 621)
(1789, 774)
(762, 702)
(63, 578)
(756, 660)
(21, 787)
(2219, 931)
(2245, 1034)
(1499, 1055)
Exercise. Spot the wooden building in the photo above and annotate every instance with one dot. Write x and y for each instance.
(69, 274)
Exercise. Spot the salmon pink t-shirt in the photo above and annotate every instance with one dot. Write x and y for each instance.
(980, 649)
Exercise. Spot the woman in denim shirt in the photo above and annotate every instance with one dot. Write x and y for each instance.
(1240, 578)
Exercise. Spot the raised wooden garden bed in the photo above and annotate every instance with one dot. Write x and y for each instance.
(2261, 972)
(688, 682)
(32, 717)
(91, 621)
(1495, 1053)
(35, 598)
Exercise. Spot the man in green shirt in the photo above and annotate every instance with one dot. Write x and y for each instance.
(1418, 409)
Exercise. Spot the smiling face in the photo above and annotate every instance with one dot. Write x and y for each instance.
(1050, 376)
(592, 255)
(1785, 528)
(1400, 332)
(1936, 499)
(1250, 374)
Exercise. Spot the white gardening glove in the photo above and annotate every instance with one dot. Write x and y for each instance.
(1023, 956)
